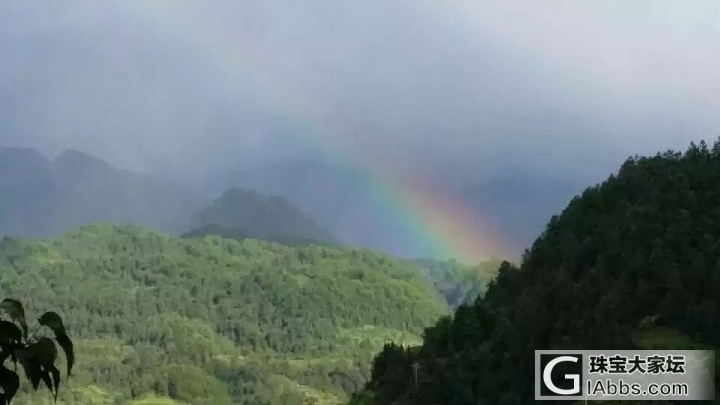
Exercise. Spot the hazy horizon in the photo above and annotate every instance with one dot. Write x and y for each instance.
(476, 96)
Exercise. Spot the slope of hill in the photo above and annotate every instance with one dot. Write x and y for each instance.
(456, 282)
(27, 190)
(215, 321)
(242, 234)
(241, 214)
(631, 263)
(42, 197)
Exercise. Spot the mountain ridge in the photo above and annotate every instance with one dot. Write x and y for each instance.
(76, 189)
(44, 197)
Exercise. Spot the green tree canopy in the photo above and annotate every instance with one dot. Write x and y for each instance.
(630, 263)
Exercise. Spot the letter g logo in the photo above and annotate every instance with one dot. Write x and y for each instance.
(575, 378)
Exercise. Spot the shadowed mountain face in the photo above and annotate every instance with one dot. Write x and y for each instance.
(42, 197)
(242, 214)
(27, 190)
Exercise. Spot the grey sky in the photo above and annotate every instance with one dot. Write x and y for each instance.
(181, 86)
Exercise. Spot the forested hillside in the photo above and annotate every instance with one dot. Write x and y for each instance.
(456, 282)
(631, 263)
(242, 214)
(215, 321)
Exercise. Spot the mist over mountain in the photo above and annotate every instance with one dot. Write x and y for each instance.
(43, 197)
(75, 189)
(515, 203)
(511, 118)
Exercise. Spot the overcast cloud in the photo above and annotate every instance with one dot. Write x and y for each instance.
(186, 86)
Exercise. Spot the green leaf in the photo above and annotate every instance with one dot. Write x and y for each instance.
(44, 352)
(67, 345)
(45, 376)
(53, 321)
(32, 368)
(16, 312)
(9, 382)
(9, 333)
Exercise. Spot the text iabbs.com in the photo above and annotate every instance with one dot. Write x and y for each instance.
(608, 387)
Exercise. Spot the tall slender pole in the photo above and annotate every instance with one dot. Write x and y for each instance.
(415, 369)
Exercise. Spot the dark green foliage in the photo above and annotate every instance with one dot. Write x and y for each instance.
(35, 353)
(631, 263)
(246, 214)
(242, 234)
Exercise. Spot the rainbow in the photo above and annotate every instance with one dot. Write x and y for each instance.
(425, 213)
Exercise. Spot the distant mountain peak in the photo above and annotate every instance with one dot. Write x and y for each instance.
(43, 197)
(245, 213)
(18, 149)
(234, 192)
